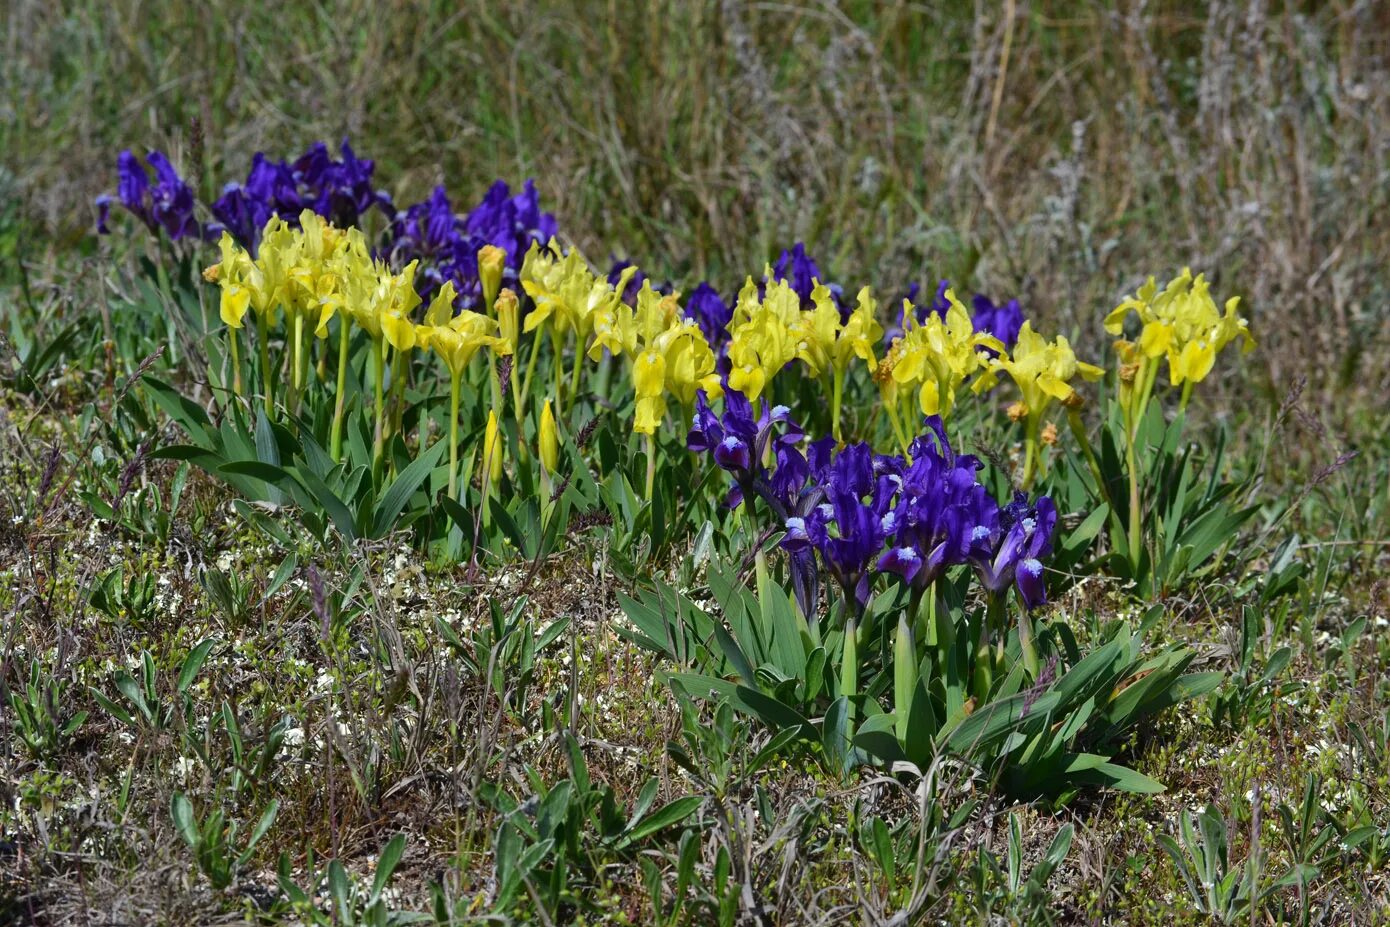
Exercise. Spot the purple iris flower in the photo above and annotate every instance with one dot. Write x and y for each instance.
(797, 268)
(270, 190)
(339, 190)
(711, 313)
(447, 244)
(938, 508)
(510, 222)
(1003, 322)
(739, 442)
(167, 203)
(1010, 549)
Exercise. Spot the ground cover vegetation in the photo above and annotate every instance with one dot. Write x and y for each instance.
(727, 465)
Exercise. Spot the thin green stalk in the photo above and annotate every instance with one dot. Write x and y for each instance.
(524, 393)
(378, 375)
(559, 365)
(236, 362)
(263, 336)
(891, 409)
(398, 372)
(837, 387)
(454, 379)
(296, 361)
(651, 464)
(574, 371)
(340, 400)
(1025, 641)
(1030, 449)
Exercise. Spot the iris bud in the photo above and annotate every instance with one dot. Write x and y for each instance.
(491, 261)
(549, 439)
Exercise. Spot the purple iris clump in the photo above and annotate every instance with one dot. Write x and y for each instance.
(860, 514)
(940, 504)
(339, 190)
(447, 244)
(711, 313)
(270, 190)
(167, 203)
(846, 517)
(798, 269)
(1010, 548)
(430, 232)
(1003, 322)
(510, 222)
(739, 442)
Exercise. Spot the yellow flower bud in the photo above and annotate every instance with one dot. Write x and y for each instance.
(491, 261)
(549, 440)
(492, 451)
(508, 317)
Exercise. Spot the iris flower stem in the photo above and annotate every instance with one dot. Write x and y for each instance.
(1025, 641)
(525, 392)
(296, 363)
(1143, 384)
(837, 388)
(1135, 545)
(263, 338)
(574, 371)
(559, 347)
(649, 443)
(379, 396)
(495, 383)
(398, 371)
(1030, 449)
(232, 334)
(454, 379)
(340, 399)
(891, 409)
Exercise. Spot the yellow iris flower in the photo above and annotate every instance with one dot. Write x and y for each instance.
(1183, 324)
(1042, 370)
(936, 356)
(456, 338)
(767, 334)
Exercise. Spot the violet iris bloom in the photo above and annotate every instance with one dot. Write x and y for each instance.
(940, 504)
(167, 203)
(447, 244)
(739, 442)
(510, 222)
(797, 268)
(858, 492)
(1003, 322)
(711, 313)
(1010, 549)
(270, 190)
(339, 190)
